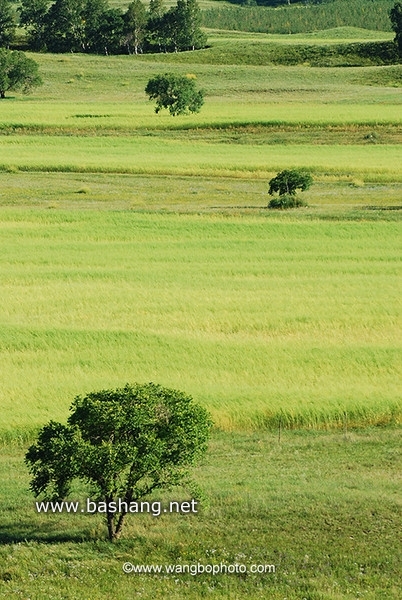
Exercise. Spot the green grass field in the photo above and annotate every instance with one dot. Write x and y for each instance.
(92, 115)
(138, 247)
(189, 157)
(255, 316)
(324, 509)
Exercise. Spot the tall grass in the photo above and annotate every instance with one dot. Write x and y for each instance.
(257, 319)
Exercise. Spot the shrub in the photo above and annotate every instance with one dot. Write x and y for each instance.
(286, 201)
(17, 72)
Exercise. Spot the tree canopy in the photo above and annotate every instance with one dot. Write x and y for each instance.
(92, 26)
(17, 72)
(288, 181)
(176, 93)
(124, 443)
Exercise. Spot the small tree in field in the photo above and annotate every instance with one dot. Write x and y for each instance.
(17, 72)
(177, 93)
(125, 443)
(286, 183)
(396, 21)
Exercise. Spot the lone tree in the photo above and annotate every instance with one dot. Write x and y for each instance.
(125, 443)
(286, 183)
(177, 93)
(396, 20)
(17, 72)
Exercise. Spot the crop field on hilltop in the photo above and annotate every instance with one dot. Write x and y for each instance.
(298, 17)
(139, 247)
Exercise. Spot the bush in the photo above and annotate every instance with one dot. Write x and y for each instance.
(286, 201)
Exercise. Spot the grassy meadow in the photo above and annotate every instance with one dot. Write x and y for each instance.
(256, 317)
(138, 247)
(322, 508)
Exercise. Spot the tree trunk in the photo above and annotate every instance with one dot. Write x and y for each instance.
(114, 529)
(119, 526)
(110, 526)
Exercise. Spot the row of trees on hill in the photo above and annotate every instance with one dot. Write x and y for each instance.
(93, 26)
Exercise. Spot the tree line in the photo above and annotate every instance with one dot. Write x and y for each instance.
(93, 26)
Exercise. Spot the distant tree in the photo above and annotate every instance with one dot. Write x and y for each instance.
(17, 72)
(7, 23)
(135, 21)
(184, 23)
(33, 17)
(396, 20)
(177, 93)
(178, 29)
(64, 29)
(194, 37)
(109, 35)
(286, 183)
(166, 29)
(156, 8)
(124, 443)
(93, 17)
(154, 34)
(180, 26)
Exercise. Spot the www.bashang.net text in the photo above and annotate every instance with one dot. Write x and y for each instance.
(155, 508)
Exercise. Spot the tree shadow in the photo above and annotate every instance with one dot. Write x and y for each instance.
(27, 531)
